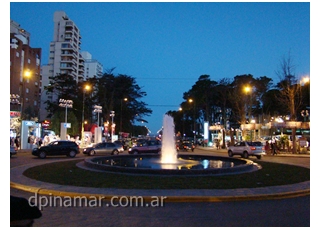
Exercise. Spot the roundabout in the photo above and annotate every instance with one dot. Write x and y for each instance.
(177, 189)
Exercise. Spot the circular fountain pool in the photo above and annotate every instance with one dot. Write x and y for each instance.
(169, 162)
(185, 164)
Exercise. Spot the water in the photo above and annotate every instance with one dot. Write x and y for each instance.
(168, 149)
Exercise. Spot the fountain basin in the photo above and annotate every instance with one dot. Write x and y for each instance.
(185, 164)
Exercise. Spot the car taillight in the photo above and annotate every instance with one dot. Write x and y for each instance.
(253, 148)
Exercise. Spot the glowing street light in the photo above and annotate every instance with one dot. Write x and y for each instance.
(86, 88)
(247, 90)
(112, 114)
(27, 74)
(194, 119)
(125, 99)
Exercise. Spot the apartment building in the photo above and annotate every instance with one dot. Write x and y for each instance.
(64, 55)
(25, 79)
(93, 68)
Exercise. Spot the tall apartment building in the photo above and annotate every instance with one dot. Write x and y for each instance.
(64, 55)
(25, 79)
(93, 68)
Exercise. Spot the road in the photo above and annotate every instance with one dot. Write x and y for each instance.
(291, 212)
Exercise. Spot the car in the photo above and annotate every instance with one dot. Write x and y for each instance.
(147, 146)
(55, 148)
(13, 150)
(246, 149)
(104, 148)
(186, 146)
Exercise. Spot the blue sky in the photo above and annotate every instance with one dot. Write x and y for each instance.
(166, 46)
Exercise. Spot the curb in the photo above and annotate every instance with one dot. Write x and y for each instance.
(42, 191)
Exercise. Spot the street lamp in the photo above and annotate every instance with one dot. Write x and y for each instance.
(181, 110)
(194, 119)
(247, 90)
(67, 104)
(27, 74)
(14, 99)
(125, 99)
(86, 88)
(112, 114)
(97, 109)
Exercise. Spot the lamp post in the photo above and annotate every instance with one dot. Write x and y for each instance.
(181, 110)
(112, 114)
(27, 74)
(67, 104)
(125, 99)
(86, 88)
(14, 99)
(247, 90)
(194, 119)
(97, 109)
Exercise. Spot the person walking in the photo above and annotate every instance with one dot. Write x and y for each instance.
(16, 141)
(274, 146)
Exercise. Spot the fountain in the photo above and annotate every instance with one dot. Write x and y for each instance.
(168, 148)
(169, 162)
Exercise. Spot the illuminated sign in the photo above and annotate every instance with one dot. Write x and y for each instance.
(14, 114)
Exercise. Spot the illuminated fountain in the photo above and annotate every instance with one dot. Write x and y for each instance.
(168, 149)
(169, 162)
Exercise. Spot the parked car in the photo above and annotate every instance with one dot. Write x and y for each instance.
(148, 146)
(55, 148)
(186, 146)
(13, 150)
(104, 148)
(246, 149)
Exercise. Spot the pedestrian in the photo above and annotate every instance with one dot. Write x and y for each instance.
(16, 141)
(39, 141)
(267, 146)
(29, 141)
(274, 146)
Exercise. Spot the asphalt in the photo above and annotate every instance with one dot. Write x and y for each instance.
(20, 182)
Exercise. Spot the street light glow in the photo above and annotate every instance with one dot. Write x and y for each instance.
(247, 89)
(86, 88)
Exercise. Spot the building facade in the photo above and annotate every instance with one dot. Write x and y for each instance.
(25, 78)
(93, 68)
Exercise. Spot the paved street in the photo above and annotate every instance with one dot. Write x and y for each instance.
(280, 213)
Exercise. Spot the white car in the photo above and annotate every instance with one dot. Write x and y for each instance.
(246, 149)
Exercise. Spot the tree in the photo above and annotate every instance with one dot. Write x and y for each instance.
(61, 86)
(240, 99)
(110, 93)
(107, 91)
(290, 92)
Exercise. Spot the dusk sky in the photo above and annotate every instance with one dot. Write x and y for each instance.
(166, 46)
